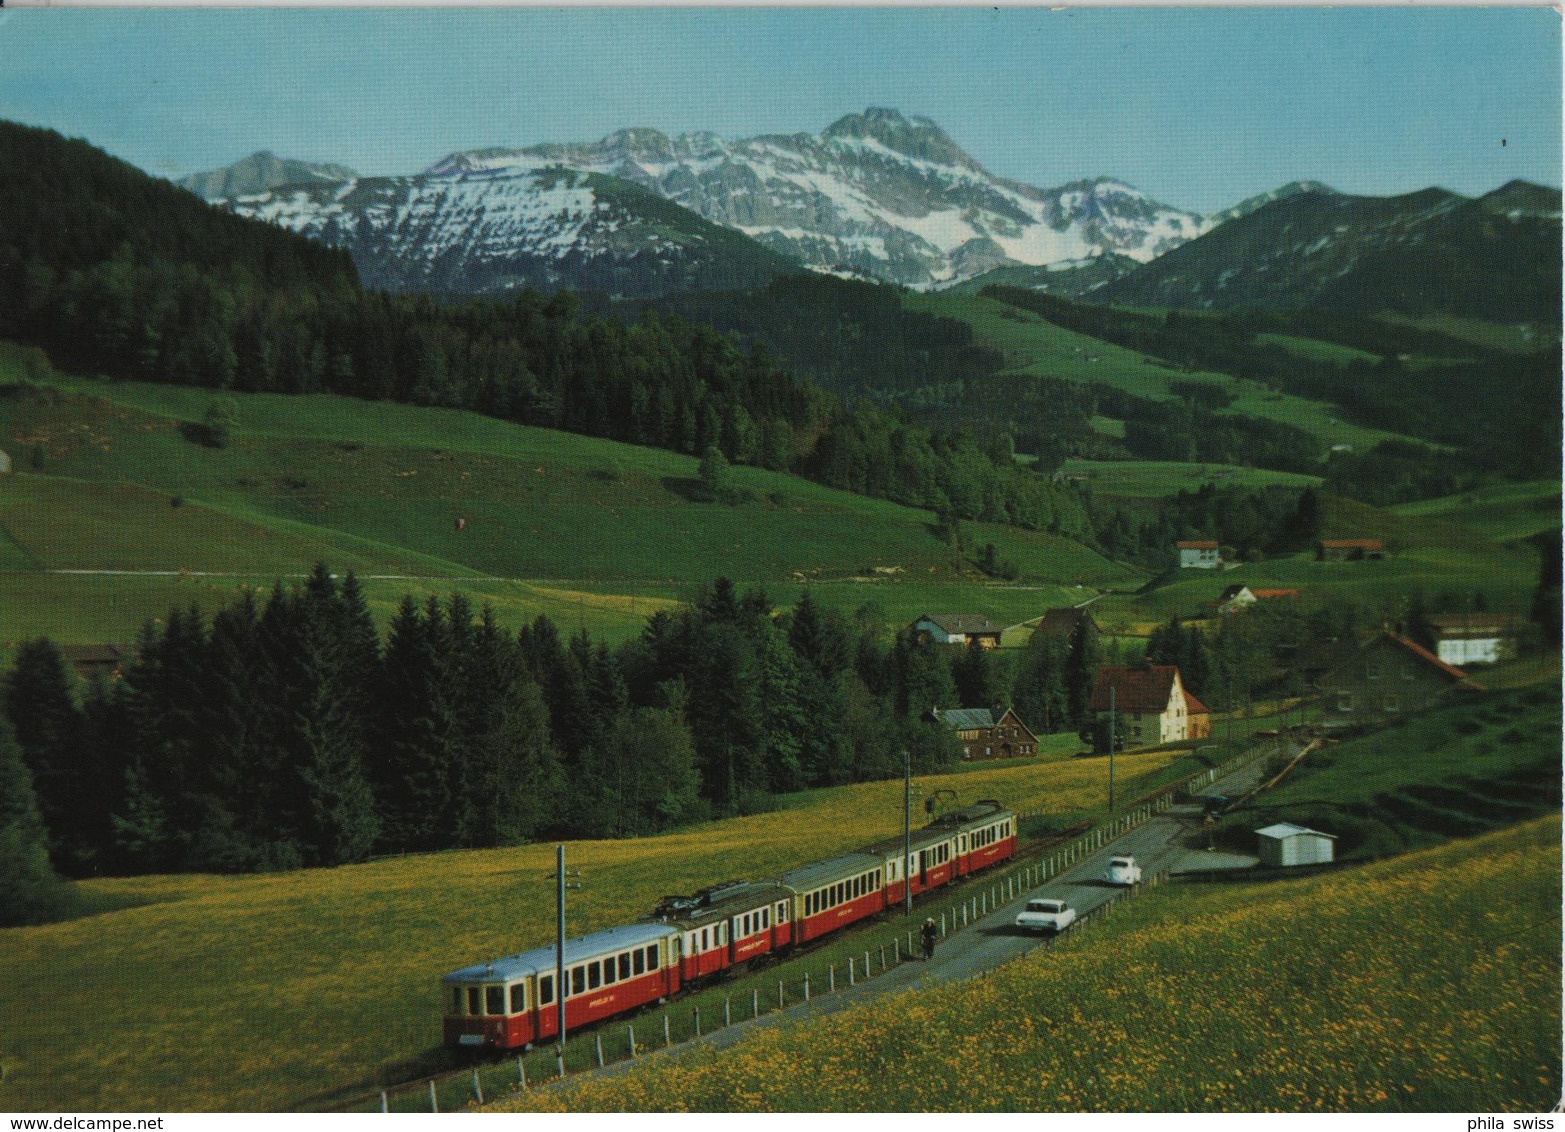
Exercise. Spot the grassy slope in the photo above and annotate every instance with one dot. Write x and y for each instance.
(1151, 479)
(258, 992)
(1215, 999)
(1504, 512)
(1460, 770)
(589, 524)
(1032, 345)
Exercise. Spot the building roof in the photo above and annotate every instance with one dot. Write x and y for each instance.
(829, 872)
(970, 717)
(1288, 829)
(1194, 706)
(962, 622)
(1063, 621)
(1472, 626)
(1352, 544)
(1203, 544)
(1138, 688)
(1265, 594)
(542, 959)
(1427, 657)
(1234, 591)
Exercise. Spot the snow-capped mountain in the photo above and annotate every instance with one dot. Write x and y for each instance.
(876, 194)
(470, 230)
(259, 172)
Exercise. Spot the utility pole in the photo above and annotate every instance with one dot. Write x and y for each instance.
(1112, 745)
(560, 876)
(907, 831)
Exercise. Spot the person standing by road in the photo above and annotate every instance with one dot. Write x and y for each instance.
(927, 935)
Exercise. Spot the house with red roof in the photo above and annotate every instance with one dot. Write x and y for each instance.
(1349, 549)
(1386, 678)
(1150, 705)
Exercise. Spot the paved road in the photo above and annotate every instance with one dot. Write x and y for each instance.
(1169, 842)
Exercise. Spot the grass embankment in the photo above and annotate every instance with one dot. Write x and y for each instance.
(377, 488)
(273, 991)
(1460, 770)
(1429, 983)
(1503, 512)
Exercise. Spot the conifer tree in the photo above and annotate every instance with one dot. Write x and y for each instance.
(30, 892)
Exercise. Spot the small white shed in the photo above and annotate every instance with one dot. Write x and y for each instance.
(1285, 844)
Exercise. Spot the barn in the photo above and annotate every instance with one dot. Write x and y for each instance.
(1284, 844)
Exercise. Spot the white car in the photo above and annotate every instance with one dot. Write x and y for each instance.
(1123, 870)
(1044, 915)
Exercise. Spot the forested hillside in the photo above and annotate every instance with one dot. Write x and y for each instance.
(115, 272)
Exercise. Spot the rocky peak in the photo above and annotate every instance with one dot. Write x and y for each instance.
(915, 137)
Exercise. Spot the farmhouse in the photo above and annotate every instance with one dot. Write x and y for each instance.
(1150, 704)
(1474, 638)
(1200, 555)
(1286, 844)
(1349, 549)
(989, 733)
(958, 629)
(1386, 678)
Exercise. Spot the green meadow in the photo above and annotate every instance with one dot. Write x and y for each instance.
(1153, 479)
(1032, 345)
(1502, 512)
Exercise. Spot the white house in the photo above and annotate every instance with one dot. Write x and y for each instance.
(1200, 555)
(1473, 638)
(1285, 844)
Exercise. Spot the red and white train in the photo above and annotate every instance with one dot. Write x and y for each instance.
(510, 1003)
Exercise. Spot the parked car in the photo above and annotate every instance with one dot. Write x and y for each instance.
(1123, 870)
(1045, 915)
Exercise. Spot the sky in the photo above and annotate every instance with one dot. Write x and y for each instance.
(1199, 107)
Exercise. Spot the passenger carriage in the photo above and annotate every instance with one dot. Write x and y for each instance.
(833, 894)
(931, 861)
(510, 1003)
(728, 924)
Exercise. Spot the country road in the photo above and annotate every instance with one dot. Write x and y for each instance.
(1160, 845)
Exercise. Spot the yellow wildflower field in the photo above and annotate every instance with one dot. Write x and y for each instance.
(1429, 982)
(279, 991)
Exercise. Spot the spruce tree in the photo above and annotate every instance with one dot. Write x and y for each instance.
(30, 892)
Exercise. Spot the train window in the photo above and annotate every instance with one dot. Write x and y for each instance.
(624, 966)
(608, 971)
(578, 980)
(545, 990)
(494, 1000)
(472, 1000)
(638, 962)
(706, 938)
(594, 976)
(652, 957)
(518, 997)
(456, 1000)
(766, 918)
(782, 913)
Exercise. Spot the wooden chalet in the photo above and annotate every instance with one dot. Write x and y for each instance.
(1474, 638)
(989, 733)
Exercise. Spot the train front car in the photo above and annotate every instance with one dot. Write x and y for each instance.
(728, 924)
(510, 1003)
(985, 834)
(833, 894)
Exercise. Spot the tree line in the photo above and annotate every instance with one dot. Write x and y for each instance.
(282, 732)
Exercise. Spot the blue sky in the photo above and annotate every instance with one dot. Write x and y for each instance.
(1199, 107)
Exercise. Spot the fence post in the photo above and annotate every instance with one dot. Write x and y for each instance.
(896, 951)
(559, 1056)
(478, 1090)
(831, 978)
(851, 980)
(521, 1066)
(632, 1030)
(806, 986)
(597, 1041)
(434, 1105)
(755, 1002)
(942, 930)
(866, 962)
(666, 1042)
(779, 994)
(384, 1103)
(696, 1010)
(728, 1016)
